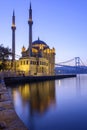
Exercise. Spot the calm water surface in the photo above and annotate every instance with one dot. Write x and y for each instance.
(52, 105)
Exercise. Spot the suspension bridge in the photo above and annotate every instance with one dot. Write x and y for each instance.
(72, 66)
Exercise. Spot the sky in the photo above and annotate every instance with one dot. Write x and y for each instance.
(62, 24)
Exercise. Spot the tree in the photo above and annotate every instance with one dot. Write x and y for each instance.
(5, 52)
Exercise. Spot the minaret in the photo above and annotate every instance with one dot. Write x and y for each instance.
(30, 22)
(13, 27)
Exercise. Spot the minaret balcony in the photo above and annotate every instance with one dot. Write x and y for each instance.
(13, 26)
(30, 21)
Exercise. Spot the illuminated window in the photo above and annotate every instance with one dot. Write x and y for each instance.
(30, 62)
(40, 62)
(37, 62)
(21, 62)
(34, 63)
(27, 62)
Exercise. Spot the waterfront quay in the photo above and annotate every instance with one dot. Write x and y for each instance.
(29, 79)
(8, 117)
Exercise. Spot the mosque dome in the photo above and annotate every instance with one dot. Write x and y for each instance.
(38, 42)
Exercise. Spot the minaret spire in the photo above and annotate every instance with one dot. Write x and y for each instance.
(30, 5)
(13, 27)
(30, 22)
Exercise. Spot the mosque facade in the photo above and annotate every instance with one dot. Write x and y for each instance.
(37, 59)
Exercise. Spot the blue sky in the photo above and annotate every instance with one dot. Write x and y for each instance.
(60, 23)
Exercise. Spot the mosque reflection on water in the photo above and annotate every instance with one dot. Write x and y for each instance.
(39, 96)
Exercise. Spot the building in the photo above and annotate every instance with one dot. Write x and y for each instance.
(37, 59)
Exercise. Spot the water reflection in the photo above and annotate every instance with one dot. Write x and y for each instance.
(33, 98)
(53, 105)
(42, 95)
(78, 85)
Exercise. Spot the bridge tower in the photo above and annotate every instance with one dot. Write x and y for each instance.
(77, 64)
(77, 61)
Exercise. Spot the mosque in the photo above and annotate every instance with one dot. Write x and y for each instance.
(37, 59)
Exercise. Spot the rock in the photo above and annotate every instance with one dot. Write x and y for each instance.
(2, 108)
(2, 125)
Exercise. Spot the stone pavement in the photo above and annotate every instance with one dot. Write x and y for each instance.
(8, 117)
